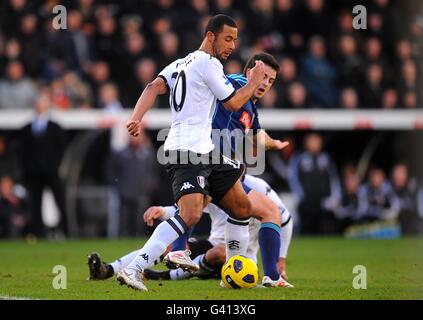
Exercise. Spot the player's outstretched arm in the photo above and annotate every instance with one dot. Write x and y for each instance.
(262, 138)
(144, 103)
(244, 94)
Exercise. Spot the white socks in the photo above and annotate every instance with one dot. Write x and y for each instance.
(120, 264)
(237, 237)
(165, 233)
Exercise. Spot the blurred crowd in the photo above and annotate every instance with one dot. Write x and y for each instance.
(111, 50)
(330, 199)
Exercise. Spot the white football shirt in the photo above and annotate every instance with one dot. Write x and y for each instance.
(195, 82)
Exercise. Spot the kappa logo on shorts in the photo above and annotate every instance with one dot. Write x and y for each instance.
(201, 181)
(186, 186)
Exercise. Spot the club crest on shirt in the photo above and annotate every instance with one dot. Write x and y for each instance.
(201, 181)
(245, 120)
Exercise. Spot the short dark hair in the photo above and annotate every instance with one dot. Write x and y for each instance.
(216, 23)
(266, 58)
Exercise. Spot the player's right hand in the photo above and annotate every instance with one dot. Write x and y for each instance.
(257, 72)
(133, 127)
(153, 213)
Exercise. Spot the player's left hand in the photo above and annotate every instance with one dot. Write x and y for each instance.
(133, 127)
(279, 145)
(152, 214)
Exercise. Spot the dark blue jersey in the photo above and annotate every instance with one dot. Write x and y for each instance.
(244, 119)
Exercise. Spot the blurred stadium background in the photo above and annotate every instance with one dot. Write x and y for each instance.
(351, 98)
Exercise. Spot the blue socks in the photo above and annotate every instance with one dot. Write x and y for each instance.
(181, 242)
(270, 242)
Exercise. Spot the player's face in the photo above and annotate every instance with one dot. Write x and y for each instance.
(225, 42)
(267, 82)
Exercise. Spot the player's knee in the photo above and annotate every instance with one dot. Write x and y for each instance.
(221, 256)
(243, 210)
(275, 214)
(191, 217)
(216, 256)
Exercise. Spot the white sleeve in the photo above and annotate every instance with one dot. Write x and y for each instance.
(285, 236)
(166, 73)
(169, 212)
(216, 80)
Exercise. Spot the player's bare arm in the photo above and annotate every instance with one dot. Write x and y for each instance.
(245, 93)
(144, 103)
(269, 142)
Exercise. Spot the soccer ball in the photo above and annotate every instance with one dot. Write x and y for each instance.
(240, 272)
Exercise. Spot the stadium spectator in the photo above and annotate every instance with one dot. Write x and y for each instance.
(406, 190)
(8, 160)
(98, 75)
(408, 80)
(319, 74)
(12, 50)
(133, 172)
(13, 208)
(286, 17)
(373, 87)
(269, 100)
(32, 43)
(135, 49)
(106, 38)
(349, 62)
(315, 19)
(260, 14)
(390, 99)
(233, 66)
(349, 99)
(287, 76)
(278, 165)
(76, 45)
(43, 143)
(404, 50)
(78, 91)
(314, 178)
(377, 199)
(410, 100)
(109, 98)
(297, 96)
(17, 92)
(60, 98)
(223, 7)
(168, 48)
(348, 205)
(144, 72)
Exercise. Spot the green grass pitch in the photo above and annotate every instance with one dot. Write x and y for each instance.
(320, 268)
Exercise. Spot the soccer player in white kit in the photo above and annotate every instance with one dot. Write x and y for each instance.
(194, 83)
(209, 254)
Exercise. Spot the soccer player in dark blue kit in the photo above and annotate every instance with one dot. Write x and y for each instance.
(244, 120)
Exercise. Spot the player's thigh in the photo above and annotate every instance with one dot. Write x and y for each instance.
(236, 202)
(263, 208)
